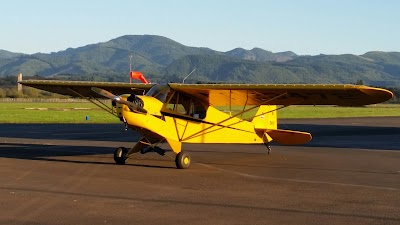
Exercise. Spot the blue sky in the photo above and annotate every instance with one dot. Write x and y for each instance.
(307, 27)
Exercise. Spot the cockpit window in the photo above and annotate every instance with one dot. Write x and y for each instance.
(187, 105)
(159, 91)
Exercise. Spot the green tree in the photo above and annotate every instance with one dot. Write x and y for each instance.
(31, 92)
(3, 93)
(13, 93)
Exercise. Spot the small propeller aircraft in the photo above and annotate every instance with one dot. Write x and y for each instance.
(190, 113)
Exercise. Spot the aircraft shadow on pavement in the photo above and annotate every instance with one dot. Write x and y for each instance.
(87, 132)
(58, 153)
(335, 136)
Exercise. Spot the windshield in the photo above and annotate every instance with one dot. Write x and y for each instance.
(159, 91)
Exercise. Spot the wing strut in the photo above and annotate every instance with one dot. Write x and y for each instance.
(102, 106)
(238, 114)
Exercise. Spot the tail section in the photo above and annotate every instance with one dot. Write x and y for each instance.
(266, 125)
(289, 137)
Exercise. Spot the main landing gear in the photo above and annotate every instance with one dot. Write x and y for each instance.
(121, 156)
(182, 160)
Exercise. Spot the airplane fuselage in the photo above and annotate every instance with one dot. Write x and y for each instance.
(215, 127)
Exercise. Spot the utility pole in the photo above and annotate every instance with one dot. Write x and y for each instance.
(130, 68)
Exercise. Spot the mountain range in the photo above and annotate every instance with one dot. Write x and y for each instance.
(164, 60)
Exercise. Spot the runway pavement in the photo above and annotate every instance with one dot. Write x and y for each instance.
(64, 174)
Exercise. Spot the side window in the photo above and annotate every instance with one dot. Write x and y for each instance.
(197, 109)
(178, 103)
(187, 105)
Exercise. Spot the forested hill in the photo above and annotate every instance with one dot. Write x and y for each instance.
(305, 69)
(7, 55)
(162, 60)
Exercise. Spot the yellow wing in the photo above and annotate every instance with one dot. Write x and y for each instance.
(233, 94)
(285, 94)
(83, 88)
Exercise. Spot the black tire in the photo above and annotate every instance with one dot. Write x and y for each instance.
(182, 160)
(120, 155)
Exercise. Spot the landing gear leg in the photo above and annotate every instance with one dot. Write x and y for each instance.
(182, 160)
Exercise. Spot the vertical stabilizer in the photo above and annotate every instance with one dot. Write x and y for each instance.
(266, 118)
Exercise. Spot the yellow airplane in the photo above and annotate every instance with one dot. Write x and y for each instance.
(188, 113)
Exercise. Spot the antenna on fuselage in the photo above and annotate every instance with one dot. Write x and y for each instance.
(183, 81)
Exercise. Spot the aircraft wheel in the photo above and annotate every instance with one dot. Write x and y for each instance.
(182, 160)
(269, 149)
(120, 155)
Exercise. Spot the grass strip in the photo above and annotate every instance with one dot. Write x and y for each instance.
(89, 113)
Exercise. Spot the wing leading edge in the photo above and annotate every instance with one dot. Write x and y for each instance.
(285, 94)
(83, 88)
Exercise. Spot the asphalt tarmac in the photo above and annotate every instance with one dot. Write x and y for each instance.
(65, 174)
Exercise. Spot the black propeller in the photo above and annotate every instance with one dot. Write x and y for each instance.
(132, 105)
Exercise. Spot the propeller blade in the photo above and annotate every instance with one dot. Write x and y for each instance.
(116, 98)
(105, 93)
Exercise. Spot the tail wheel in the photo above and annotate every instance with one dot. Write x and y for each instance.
(182, 160)
(121, 155)
(268, 147)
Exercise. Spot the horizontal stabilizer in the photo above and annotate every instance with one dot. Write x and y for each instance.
(289, 137)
